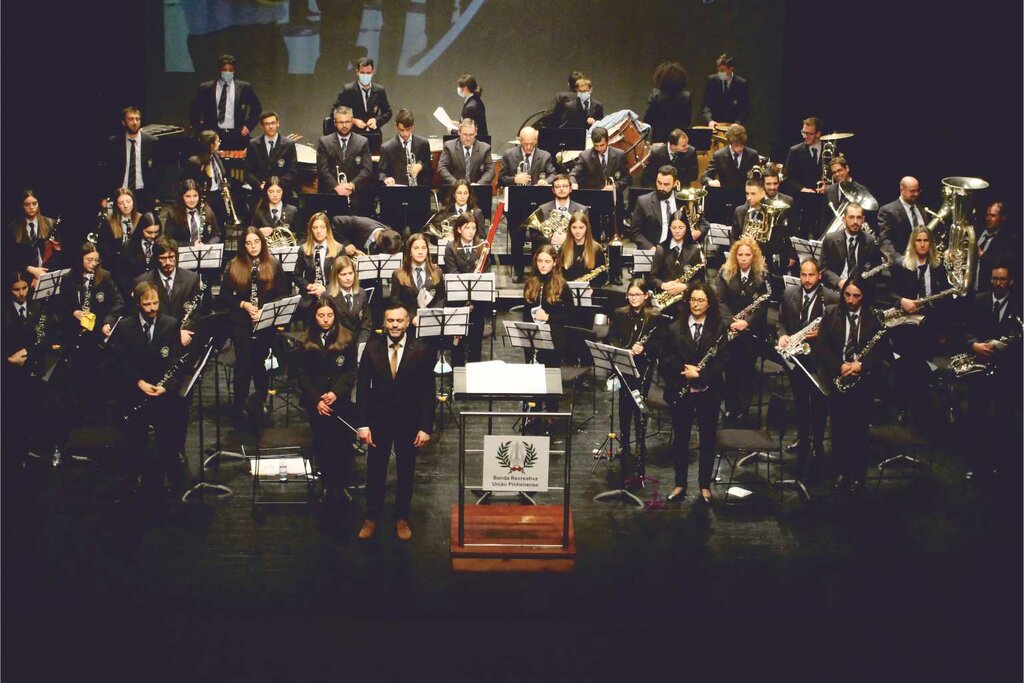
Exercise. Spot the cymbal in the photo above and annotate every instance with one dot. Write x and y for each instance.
(836, 136)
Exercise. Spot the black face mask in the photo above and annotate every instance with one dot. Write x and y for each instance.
(662, 195)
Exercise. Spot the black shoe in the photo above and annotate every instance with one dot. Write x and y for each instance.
(856, 486)
(902, 418)
(795, 446)
(840, 483)
(676, 496)
(517, 278)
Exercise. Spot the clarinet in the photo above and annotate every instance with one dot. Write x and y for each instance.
(173, 370)
(192, 305)
(703, 363)
(319, 274)
(254, 278)
(754, 305)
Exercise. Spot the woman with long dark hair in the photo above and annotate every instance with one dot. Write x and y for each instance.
(124, 222)
(473, 106)
(26, 249)
(463, 255)
(419, 283)
(272, 211)
(191, 222)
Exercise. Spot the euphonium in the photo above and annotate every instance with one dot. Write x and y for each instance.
(443, 229)
(761, 221)
(959, 255)
(691, 201)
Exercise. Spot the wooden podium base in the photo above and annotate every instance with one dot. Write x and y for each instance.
(527, 526)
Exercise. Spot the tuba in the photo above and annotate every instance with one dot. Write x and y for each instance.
(558, 221)
(691, 201)
(960, 252)
(760, 222)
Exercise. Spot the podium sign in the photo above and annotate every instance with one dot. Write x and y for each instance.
(513, 462)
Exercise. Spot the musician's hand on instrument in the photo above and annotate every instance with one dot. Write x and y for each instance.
(714, 182)
(389, 181)
(359, 123)
(186, 337)
(340, 189)
(250, 309)
(315, 288)
(19, 357)
(982, 349)
(855, 367)
(542, 181)
(809, 190)
(792, 262)
(522, 178)
(609, 187)
(366, 436)
(696, 234)
(159, 391)
(784, 341)
(691, 372)
(673, 287)
(106, 330)
(415, 169)
(146, 388)
(909, 305)
(739, 325)
(541, 315)
(813, 334)
(637, 349)
(244, 130)
(78, 315)
(422, 439)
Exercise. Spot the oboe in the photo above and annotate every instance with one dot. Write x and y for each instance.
(409, 161)
(703, 363)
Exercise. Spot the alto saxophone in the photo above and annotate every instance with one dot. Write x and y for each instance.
(592, 274)
(964, 364)
(798, 344)
(663, 300)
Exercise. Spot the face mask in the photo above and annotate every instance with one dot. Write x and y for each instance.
(584, 97)
(227, 76)
(722, 76)
(365, 79)
(458, 92)
(663, 194)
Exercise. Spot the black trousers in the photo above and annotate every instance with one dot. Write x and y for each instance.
(910, 370)
(332, 445)
(811, 415)
(517, 235)
(704, 406)
(469, 348)
(250, 353)
(168, 416)
(740, 373)
(850, 415)
(994, 421)
(377, 470)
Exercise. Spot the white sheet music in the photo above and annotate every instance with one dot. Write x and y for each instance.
(442, 117)
(499, 377)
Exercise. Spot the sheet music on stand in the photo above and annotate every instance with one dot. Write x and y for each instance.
(615, 361)
(201, 257)
(288, 256)
(377, 266)
(582, 293)
(531, 336)
(805, 249)
(643, 259)
(437, 251)
(791, 280)
(277, 313)
(49, 283)
(471, 287)
(442, 322)
(719, 238)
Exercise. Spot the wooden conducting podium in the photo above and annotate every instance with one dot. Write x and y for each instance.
(510, 537)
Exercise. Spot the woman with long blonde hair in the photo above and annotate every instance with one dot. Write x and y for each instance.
(312, 272)
(581, 253)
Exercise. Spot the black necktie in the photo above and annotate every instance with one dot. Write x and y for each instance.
(146, 329)
(997, 306)
(983, 241)
(676, 251)
(147, 246)
(805, 310)
(270, 147)
(921, 270)
(851, 339)
(32, 231)
(915, 218)
(168, 284)
(222, 104)
(132, 161)
(194, 223)
(814, 155)
(604, 166)
(419, 278)
(468, 150)
(348, 301)
(344, 146)
(697, 327)
(21, 313)
(273, 217)
(736, 159)
(851, 258)
(323, 338)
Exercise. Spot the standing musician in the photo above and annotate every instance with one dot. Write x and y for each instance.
(394, 408)
(27, 237)
(852, 249)
(896, 220)
(175, 286)
(327, 373)
(419, 283)
(633, 327)
(124, 221)
(776, 249)
(190, 222)
(463, 255)
(996, 243)
(138, 256)
(548, 300)
(147, 345)
(554, 115)
(466, 158)
(581, 253)
(803, 161)
(845, 329)
(842, 185)
(688, 341)
(472, 106)
(351, 300)
(677, 252)
(726, 95)
(367, 100)
(800, 306)
(251, 279)
(128, 160)
(20, 323)
(668, 106)
(581, 111)
(602, 167)
(459, 201)
(271, 155)
(206, 169)
(343, 163)
(313, 270)
(676, 153)
(396, 152)
(743, 278)
(228, 106)
(730, 166)
(919, 273)
(272, 211)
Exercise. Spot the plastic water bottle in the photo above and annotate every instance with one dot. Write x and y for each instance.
(282, 471)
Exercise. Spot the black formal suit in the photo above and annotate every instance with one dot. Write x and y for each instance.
(323, 369)
(473, 108)
(833, 198)
(626, 329)
(110, 246)
(458, 260)
(667, 111)
(668, 265)
(561, 312)
(115, 167)
(778, 250)
(356, 230)
(409, 294)
(202, 113)
(356, 319)
(194, 170)
(24, 406)
(105, 301)
(541, 166)
(733, 297)
(726, 103)
(393, 163)
(20, 252)
(723, 167)
(647, 222)
(575, 114)
(132, 263)
(834, 252)
(19, 333)
(262, 218)
(587, 172)
(1004, 246)
(177, 227)
(802, 169)
(395, 409)
(261, 166)
(685, 163)
(375, 107)
(452, 165)
(184, 288)
(355, 163)
(305, 274)
(894, 228)
(680, 350)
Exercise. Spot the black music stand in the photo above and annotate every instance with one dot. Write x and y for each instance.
(602, 211)
(805, 249)
(555, 140)
(47, 286)
(374, 138)
(277, 313)
(404, 207)
(721, 202)
(441, 323)
(700, 138)
(202, 487)
(807, 207)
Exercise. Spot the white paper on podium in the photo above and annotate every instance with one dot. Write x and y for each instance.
(499, 377)
(271, 467)
(442, 117)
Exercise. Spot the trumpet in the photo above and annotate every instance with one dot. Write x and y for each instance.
(225, 192)
(340, 175)
(522, 169)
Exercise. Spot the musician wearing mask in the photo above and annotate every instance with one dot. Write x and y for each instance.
(676, 255)
(802, 305)
(327, 372)
(419, 283)
(991, 340)
(467, 253)
(360, 235)
(27, 238)
(472, 104)
(272, 211)
(466, 158)
(394, 408)
(271, 155)
(842, 189)
(581, 254)
(803, 161)
(343, 164)
(995, 243)
(396, 154)
(583, 110)
(351, 300)
(251, 279)
(312, 272)
(138, 256)
(726, 95)
(192, 222)
(175, 286)
(148, 350)
(227, 106)
(676, 153)
(845, 252)
(634, 327)
(207, 170)
(742, 279)
(896, 220)
(754, 216)
(841, 352)
(730, 166)
(652, 215)
(691, 363)
(128, 160)
(367, 100)
(555, 114)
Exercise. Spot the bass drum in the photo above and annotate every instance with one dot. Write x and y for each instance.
(627, 136)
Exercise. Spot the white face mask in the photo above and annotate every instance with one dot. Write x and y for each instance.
(458, 91)
(584, 97)
(227, 76)
(722, 76)
(365, 79)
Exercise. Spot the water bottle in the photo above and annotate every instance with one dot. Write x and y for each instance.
(282, 471)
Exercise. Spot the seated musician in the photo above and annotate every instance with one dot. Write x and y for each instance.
(523, 165)
(272, 211)
(459, 201)
(352, 301)
(24, 339)
(206, 169)
(676, 153)
(849, 250)
(176, 286)
(123, 222)
(776, 247)
(581, 254)
(138, 256)
(25, 246)
(466, 158)
(602, 167)
(252, 279)
(360, 235)
(677, 253)
(653, 212)
(464, 255)
(837, 193)
(730, 166)
(147, 345)
(327, 373)
(419, 283)
(190, 222)
(312, 272)
(396, 152)
(561, 187)
(271, 155)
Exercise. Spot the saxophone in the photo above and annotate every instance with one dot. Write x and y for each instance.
(891, 317)
(871, 272)
(749, 310)
(844, 384)
(592, 274)
(964, 364)
(663, 300)
(798, 344)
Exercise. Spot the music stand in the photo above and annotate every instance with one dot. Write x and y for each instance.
(442, 322)
(201, 257)
(470, 287)
(805, 249)
(402, 206)
(288, 256)
(202, 486)
(277, 313)
(718, 238)
(49, 283)
(555, 140)
(377, 267)
(721, 202)
(643, 260)
(331, 204)
(700, 137)
(374, 139)
(602, 212)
